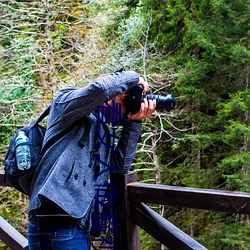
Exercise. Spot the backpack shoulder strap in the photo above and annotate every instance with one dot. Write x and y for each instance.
(43, 115)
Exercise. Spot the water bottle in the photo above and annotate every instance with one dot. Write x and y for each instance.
(23, 156)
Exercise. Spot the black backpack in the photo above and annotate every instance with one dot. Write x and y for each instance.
(21, 179)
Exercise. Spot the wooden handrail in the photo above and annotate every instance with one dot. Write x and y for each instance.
(208, 199)
(161, 229)
(132, 213)
(8, 234)
(11, 237)
(137, 213)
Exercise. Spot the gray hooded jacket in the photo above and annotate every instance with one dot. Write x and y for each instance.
(69, 170)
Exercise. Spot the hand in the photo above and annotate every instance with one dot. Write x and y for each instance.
(147, 108)
(144, 84)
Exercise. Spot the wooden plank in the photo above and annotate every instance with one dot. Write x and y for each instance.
(2, 181)
(161, 229)
(11, 237)
(208, 199)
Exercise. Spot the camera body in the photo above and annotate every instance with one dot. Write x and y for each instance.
(135, 97)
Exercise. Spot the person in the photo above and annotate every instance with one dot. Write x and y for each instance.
(78, 154)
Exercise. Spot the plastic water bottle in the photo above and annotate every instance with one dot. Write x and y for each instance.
(23, 156)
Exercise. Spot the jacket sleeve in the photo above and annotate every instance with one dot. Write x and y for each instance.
(75, 104)
(127, 146)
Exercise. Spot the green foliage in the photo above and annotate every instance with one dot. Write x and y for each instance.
(206, 43)
(41, 48)
(14, 208)
(198, 50)
(148, 242)
(222, 235)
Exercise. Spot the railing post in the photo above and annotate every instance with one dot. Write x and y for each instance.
(128, 233)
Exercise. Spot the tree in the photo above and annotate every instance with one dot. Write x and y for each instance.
(197, 50)
(205, 44)
(41, 50)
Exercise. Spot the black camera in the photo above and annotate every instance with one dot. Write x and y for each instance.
(135, 97)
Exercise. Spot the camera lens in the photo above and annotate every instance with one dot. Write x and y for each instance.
(162, 102)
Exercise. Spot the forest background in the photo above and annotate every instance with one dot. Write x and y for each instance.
(198, 50)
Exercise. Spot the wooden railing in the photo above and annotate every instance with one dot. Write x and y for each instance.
(133, 214)
(8, 234)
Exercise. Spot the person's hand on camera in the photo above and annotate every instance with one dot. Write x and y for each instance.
(144, 84)
(147, 108)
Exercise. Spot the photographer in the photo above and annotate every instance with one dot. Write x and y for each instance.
(63, 188)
